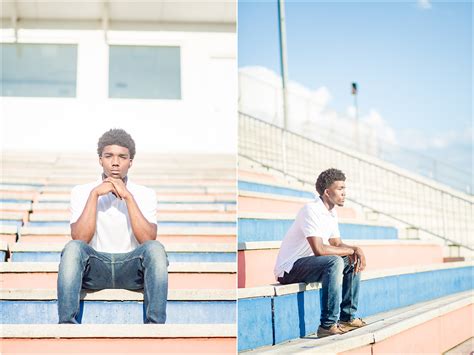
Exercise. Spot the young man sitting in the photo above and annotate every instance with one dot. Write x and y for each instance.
(113, 227)
(312, 251)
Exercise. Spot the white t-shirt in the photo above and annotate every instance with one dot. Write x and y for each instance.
(113, 233)
(313, 220)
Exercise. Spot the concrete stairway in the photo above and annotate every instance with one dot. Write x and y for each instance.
(196, 223)
(403, 275)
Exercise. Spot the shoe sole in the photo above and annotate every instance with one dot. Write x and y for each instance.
(349, 327)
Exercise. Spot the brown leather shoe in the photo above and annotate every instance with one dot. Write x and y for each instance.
(334, 329)
(353, 324)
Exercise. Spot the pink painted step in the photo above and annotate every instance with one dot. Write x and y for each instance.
(203, 276)
(255, 267)
(130, 338)
(249, 204)
(115, 346)
(8, 238)
(163, 238)
(435, 336)
(258, 176)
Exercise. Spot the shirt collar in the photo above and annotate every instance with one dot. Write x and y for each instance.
(323, 207)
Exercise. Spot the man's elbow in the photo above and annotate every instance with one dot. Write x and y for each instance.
(151, 233)
(320, 251)
(78, 234)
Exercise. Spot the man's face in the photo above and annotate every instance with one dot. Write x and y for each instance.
(337, 193)
(115, 161)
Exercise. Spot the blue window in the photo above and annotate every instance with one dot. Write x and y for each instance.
(145, 72)
(38, 70)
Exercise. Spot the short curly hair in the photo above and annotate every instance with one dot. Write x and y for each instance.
(116, 136)
(327, 177)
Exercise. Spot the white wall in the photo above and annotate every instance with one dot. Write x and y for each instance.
(205, 120)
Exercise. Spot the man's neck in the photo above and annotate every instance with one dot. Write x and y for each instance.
(329, 205)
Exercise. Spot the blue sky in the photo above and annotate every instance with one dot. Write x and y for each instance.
(412, 61)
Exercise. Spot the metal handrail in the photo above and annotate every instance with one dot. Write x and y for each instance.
(436, 210)
(352, 155)
(362, 205)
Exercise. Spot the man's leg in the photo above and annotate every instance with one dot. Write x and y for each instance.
(74, 269)
(146, 267)
(328, 271)
(350, 291)
(350, 298)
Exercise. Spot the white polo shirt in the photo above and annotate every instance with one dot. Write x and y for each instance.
(113, 233)
(313, 220)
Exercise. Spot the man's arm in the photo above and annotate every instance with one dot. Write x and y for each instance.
(142, 229)
(358, 257)
(319, 249)
(84, 228)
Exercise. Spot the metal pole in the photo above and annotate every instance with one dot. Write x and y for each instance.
(356, 106)
(284, 75)
(283, 60)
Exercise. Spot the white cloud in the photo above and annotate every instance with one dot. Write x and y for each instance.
(321, 96)
(420, 141)
(382, 129)
(311, 114)
(424, 4)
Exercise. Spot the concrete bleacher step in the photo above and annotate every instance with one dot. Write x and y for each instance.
(162, 207)
(113, 306)
(257, 259)
(260, 227)
(8, 233)
(257, 202)
(197, 275)
(12, 205)
(464, 348)
(121, 338)
(46, 178)
(277, 313)
(282, 189)
(189, 252)
(3, 250)
(64, 230)
(14, 215)
(161, 217)
(66, 189)
(20, 196)
(444, 321)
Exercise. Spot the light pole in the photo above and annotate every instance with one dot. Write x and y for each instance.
(356, 130)
(284, 74)
(283, 59)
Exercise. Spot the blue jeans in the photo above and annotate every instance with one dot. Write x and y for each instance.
(335, 273)
(81, 266)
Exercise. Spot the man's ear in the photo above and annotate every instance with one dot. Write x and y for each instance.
(100, 161)
(130, 163)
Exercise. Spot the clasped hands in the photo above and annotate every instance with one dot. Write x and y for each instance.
(358, 260)
(116, 186)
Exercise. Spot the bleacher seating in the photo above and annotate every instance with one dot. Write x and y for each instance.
(196, 223)
(406, 287)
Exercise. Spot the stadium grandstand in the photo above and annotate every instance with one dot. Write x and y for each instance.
(416, 232)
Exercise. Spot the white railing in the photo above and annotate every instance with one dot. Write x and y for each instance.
(410, 199)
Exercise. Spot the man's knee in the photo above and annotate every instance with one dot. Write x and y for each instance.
(335, 264)
(73, 248)
(154, 250)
